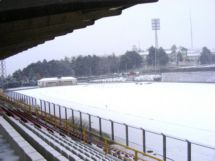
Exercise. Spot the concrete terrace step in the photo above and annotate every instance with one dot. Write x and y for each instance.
(84, 147)
(58, 147)
(21, 146)
(67, 146)
(46, 150)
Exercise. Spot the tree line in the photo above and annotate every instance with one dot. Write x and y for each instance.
(93, 65)
(90, 65)
(206, 56)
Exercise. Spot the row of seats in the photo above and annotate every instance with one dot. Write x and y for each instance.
(70, 147)
(20, 145)
(42, 147)
(76, 150)
(48, 128)
(83, 150)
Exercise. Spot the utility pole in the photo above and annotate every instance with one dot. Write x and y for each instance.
(2, 72)
(191, 29)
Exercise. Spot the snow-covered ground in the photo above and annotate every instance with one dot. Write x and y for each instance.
(177, 109)
(185, 110)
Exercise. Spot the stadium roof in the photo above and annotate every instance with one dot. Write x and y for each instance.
(28, 23)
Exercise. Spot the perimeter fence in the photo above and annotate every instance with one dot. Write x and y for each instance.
(165, 147)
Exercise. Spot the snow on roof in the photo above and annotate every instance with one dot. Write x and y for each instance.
(193, 52)
(146, 52)
(57, 78)
(168, 51)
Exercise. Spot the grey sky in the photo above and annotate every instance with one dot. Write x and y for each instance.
(133, 27)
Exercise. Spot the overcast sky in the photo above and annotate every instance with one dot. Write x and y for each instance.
(133, 27)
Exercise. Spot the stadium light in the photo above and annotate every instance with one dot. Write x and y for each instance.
(156, 27)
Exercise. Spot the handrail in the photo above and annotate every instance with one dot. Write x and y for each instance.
(86, 132)
(99, 133)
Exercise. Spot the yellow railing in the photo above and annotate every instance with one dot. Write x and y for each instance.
(68, 128)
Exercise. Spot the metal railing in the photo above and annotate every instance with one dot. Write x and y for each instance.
(159, 145)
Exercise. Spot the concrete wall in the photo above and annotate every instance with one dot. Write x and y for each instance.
(20, 145)
(202, 77)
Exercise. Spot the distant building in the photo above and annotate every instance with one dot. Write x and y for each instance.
(213, 51)
(188, 56)
(193, 55)
(173, 55)
(57, 81)
(144, 54)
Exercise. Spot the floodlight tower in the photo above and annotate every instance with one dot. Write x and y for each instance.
(2, 72)
(156, 27)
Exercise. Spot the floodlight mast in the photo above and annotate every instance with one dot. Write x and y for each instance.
(156, 27)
